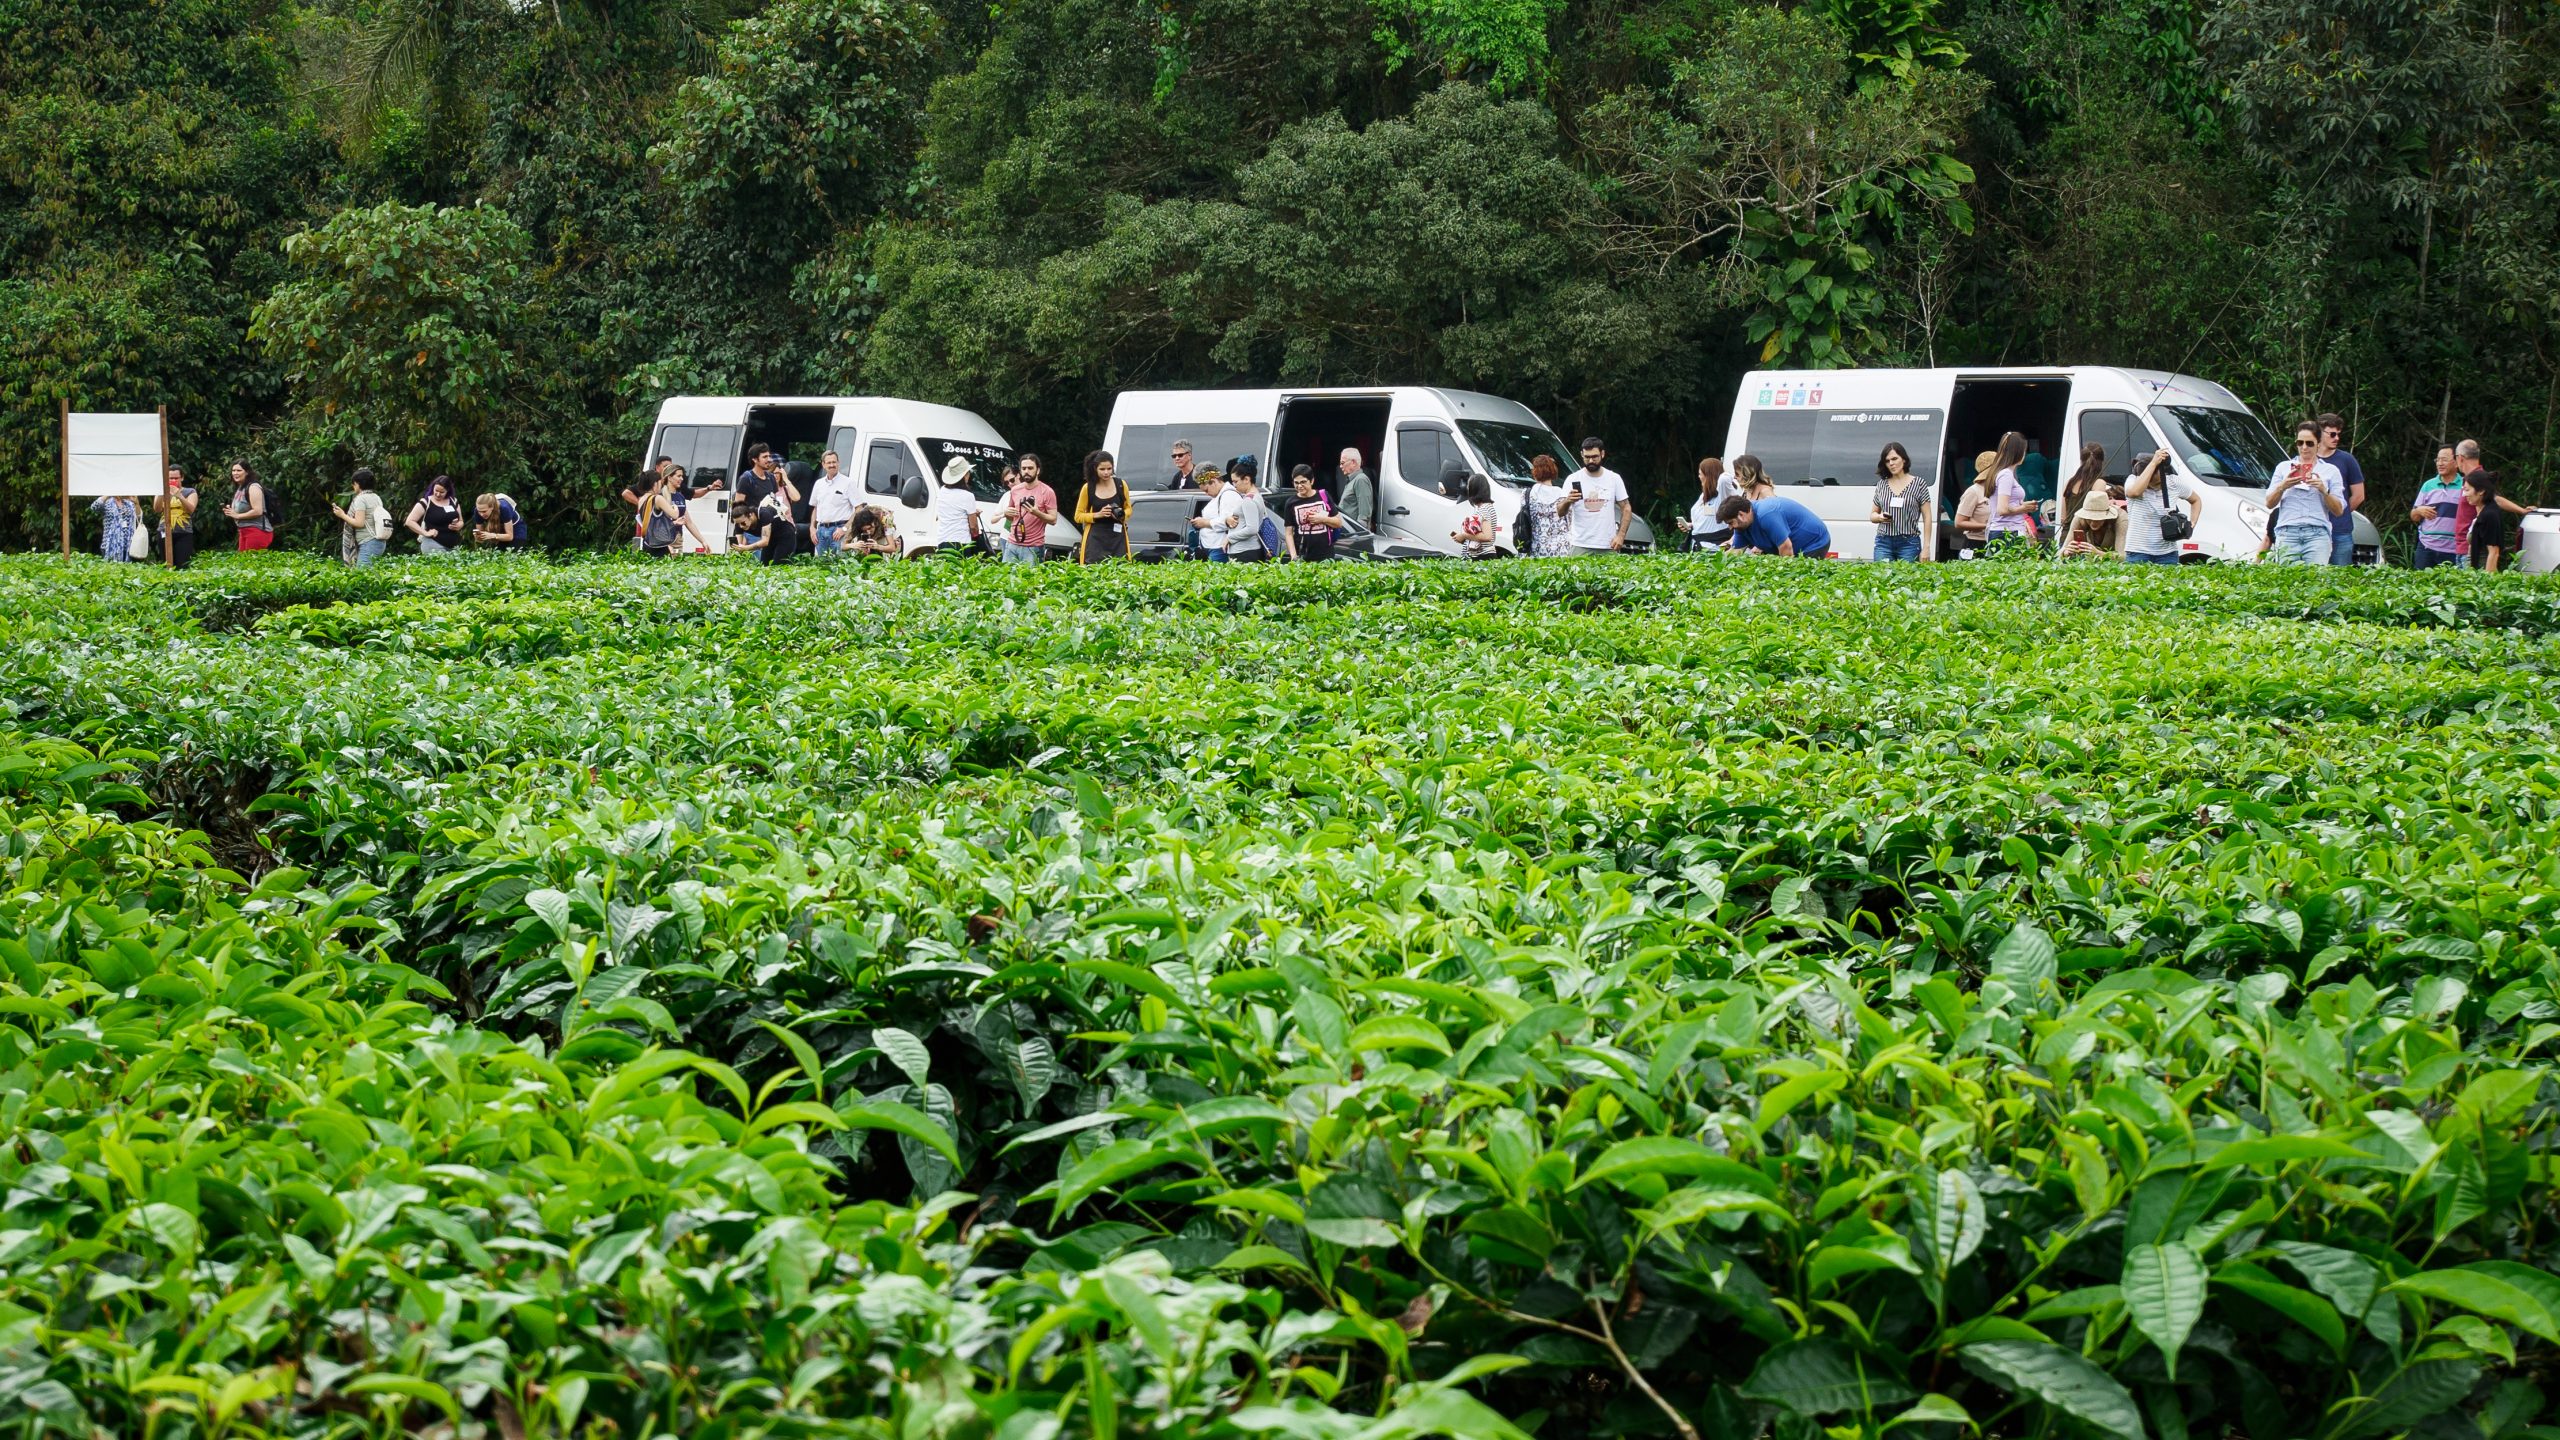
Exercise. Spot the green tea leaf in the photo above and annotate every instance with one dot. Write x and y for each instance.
(2164, 1288)
(1823, 1377)
(2060, 1378)
(860, 1114)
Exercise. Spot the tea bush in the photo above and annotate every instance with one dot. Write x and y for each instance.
(1630, 997)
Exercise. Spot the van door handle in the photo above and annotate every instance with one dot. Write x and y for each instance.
(1399, 510)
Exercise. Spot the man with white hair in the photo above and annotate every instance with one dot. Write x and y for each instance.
(1359, 492)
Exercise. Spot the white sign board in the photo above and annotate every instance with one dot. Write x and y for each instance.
(112, 454)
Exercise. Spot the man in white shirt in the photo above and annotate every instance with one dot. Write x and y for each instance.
(1210, 525)
(831, 505)
(1596, 503)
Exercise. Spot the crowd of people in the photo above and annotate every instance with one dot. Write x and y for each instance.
(164, 530)
(2461, 512)
(779, 511)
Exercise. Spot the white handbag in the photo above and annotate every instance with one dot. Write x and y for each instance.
(138, 545)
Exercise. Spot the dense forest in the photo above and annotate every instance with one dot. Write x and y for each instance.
(484, 236)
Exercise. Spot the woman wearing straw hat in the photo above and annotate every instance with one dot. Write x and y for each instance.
(2093, 526)
(1973, 508)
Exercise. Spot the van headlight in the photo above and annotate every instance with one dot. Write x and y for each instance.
(2253, 514)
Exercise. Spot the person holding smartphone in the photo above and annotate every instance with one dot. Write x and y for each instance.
(2303, 495)
(1102, 510)
(1597, 500)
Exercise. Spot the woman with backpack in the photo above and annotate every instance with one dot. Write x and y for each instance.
(252, 517)
(366, 521)
(501, 523)
(1250, 528)
(662, 516)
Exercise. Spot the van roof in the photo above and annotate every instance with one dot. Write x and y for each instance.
(2129, 383)
(887, 412)
(1160, 406)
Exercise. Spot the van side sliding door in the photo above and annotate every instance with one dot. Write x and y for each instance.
(1411, 506)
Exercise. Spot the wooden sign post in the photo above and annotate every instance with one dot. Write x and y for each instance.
(66, 477)
(169, 525)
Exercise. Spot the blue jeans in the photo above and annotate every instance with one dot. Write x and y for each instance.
(2342, 548)
(368, 551)
(830, 538)
(1897, 547)
(2165, 557)
(2302, 545)
(2424, 558)
(1023, 554)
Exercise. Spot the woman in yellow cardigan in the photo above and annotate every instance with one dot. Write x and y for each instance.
(1102, 513)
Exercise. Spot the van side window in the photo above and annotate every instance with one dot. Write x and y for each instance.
(848, 448)
(1842, 447)
(886, 466)
(1145, 458)
(1422, 453)
(2123, 435)
(705, 451)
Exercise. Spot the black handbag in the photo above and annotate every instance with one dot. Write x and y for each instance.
(2174, 522)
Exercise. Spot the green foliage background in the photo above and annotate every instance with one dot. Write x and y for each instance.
(519, 225)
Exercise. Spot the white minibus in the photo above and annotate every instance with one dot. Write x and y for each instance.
(881, 442)
(1820, 433)
(1410, 438)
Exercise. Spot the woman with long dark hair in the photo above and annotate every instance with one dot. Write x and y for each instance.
(2489, 525)
(1102, 512)
(252, 519)
(1476, 522)
(2012, 513)
(2092, 471)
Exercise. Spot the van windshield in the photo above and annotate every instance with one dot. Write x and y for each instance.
(2222, 447)
(986, 464)
(1507, 449)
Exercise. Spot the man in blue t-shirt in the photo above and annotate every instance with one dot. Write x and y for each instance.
(1775, 526)
(2342, 526)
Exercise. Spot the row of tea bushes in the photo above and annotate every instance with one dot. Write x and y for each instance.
(1651, 998)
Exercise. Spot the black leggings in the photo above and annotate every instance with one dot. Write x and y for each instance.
(182, 549)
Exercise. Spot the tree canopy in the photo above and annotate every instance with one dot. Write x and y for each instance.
(484, 237)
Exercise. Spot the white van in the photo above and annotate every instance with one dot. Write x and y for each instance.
(1819, 434)
(1410, 437)
(880, 442)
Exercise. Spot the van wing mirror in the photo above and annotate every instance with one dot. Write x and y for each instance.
(913, 494)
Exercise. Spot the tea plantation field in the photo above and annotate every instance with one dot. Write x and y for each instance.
(1574, 999)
